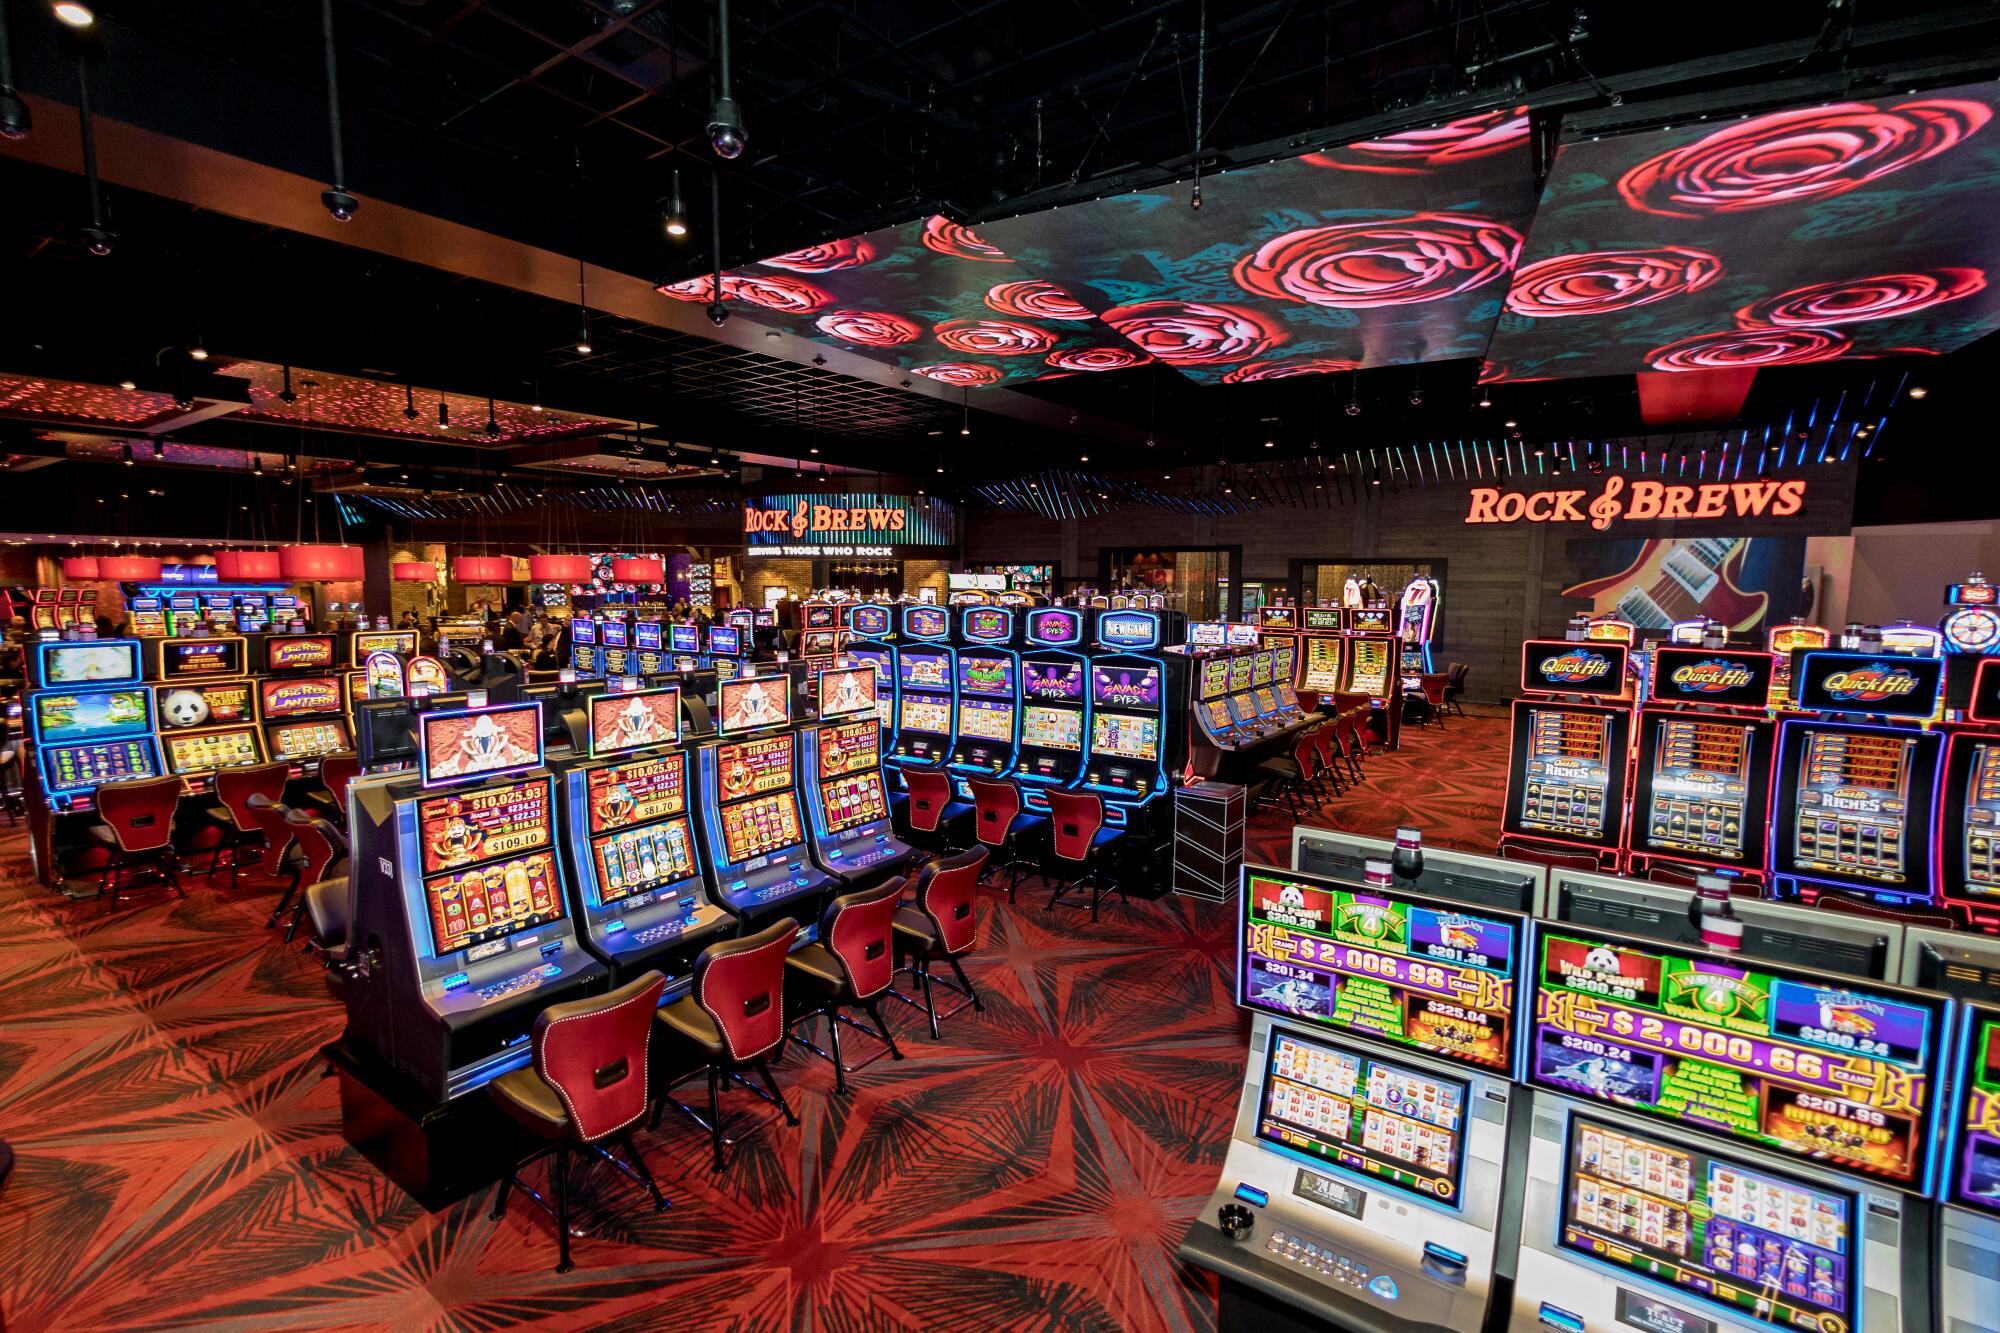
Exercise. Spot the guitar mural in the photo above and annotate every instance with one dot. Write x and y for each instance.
(1731, 579)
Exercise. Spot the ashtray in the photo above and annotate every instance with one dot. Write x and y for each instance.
(1235, 1221)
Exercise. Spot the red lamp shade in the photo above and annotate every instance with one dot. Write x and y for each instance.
(320, 564)
(638, 569)
(559, 568)
(413, 571)
(81, 567)
(248, 566)
(483, 569)
(129, 568)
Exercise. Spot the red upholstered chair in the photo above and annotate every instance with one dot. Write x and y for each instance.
(586, 1088)
(1321, 740)
(851, 964)
(941, 926)
(1080, 846)
(138, 829)
(336, 771)
(318, 853)
(232, 813)
(273, 819)
(935, 822)
(1289, 773)
(1308, 701)
(1434, 684)
(734, 1018)
(1008, 833)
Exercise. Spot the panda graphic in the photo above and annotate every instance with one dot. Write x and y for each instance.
(1601, 959)
(184, 708)
(1290, 896)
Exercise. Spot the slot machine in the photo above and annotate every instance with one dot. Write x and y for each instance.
(252, 613)
(1416, 623)
(840, 762)
(1322, 650)
(304, 719)
(726, 650)
(1857, 779)
(649, 648)
(206, 726)
(458, 890)
(90, 718)
(988, 724)
(614, 649)
(1367, 1181)
(1971, 629)
(1724, 1144)
(1701, 784)
(1568, 749)
(1967, 854)
(1218, 730)
(586, 656)
(1968, 1252)
(758, 856)
(43, 604)
(639, 894)
(147, 617)
(1277, 626)
(1786, 642)
(684, 646)
(1374, 668)
(1055, 705)
(926, 696)
(1132, 749)
(819, 615)
(361, 642)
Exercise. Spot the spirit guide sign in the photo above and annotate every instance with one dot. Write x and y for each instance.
(1631, 505)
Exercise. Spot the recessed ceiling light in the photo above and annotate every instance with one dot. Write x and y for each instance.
(1918, 391)
(75, 14)
(1511, 424)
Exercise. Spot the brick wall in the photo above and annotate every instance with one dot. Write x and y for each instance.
(757, 575)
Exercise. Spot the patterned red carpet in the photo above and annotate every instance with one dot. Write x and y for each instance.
(181, 1163)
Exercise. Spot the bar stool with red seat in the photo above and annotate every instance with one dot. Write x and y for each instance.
(273, 819)
(586, 1088)
(1079, 847)
(138, 827)
(336, 772)
(1434, 684)
(1008, 832)
(941, 925)
(1321, 739)
(733, 1016)
(935, 822)
(232, 813)
(851, 964)
(318, 854)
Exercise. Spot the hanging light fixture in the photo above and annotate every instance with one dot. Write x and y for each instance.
(583, 346)
(15, 122)
(338, 201)
(674, 220)
(726, 134)
(98, 235)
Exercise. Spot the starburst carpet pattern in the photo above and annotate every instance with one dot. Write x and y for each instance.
(181, 1163)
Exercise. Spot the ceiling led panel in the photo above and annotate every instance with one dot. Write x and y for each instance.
(1388, 251)
(1858, 229)
(930, 297)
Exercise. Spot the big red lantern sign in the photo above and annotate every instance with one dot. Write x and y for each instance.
(811, 524)
(1644, 500)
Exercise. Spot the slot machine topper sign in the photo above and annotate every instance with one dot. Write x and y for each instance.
(1565, 666)
(1712, 677)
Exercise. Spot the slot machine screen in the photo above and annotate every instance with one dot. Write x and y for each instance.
(79, 767)
(1239, 636)
(1052, 680)
(1267, 702)
(1214, 677)
(927, 715)
(199, 659)
(725, 640)
(1371, 666)
(639, 830)
(924, 622)
(921, 670)
(309, 739)
(849, 747)
(1852, 807)
(582, 629)
(1432, 975)
(821, 615)
(634, 720)
(1133, 629)
(476, 742)
(309, 652)
(623, 795)
(1793, 1062)
(205, 751)
(748, 703)
(1239, 673)
(1322, 663)
(1052, 728)
(402, 641)
(986, 719)
(759, 826)
(870, 622)
(613, 634)
(853, 801)
(846, 692)
(1892, 686)
(1774, 1248)
(1978, 843)
(1239, 707)
(483, 904)
(1972, 1175)
(211, 704)
(1384, 1121)
(980, 674)
(1702, 787)
(387, 730)
(461, 829)
(684, 638)
(1205, 634)
(87, 663)
(988, 624)
(1125, 687)
(312, 696)
(646, 635)
(1261, 666)
(1217, 712)
(92, 715)
(1568, 772)
(817, 642)
(1282, 661)
(1125, 737)
(750, 768)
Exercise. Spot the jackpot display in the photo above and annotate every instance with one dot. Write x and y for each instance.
(639, 834)
(488, 870)
(1791, 1062)
(1972, 1171)
(1410, 970)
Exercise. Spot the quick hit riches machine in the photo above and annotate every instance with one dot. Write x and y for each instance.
(1055, 705)
(1969, 1222)
(1571, 739)
(459, 904)
(1856, 784)
(1725, 1144)
(640, 900)
(1701, 787)
(1967, 855)
(1127, 760)
(989, 696)
(926, 676)
(755, 836)
(840, 762)
(1367, 1182)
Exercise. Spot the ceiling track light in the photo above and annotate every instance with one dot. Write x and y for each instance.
(98, 235)
(726, 134)
(338, 201)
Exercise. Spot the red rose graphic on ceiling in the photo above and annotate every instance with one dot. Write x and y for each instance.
(1284, 370)
(1793, 156)
(948, 238)
(1410, 152)
(826, 257)
(1035, 299)
(1738, 348)
(1192, 333)
(788, 296)
(1095, 358)
(1608, 280)
(1398, 261)
(993, 337)
(869, 328)
(961, 373)
(1883, 297)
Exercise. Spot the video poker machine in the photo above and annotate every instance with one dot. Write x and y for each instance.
(840, 762)
(1969, 1220)
(1725, 1144)
(1132, 747)
(989, 696)
(926, 688)
(641, 898)
(1368, 1182)
(1055, 703)
(1857, 779)
(758, 855)
(1571, 739)
(460, 903)
(1701, 784)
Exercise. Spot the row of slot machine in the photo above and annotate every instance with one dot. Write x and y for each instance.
(612, 647)
(1487, 1094)
(1241, 696)
(496, 873)
(1850, 787)
(1342, 650)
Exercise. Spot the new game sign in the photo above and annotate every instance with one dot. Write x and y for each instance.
(915, 526)
(1724, 677)
(1401, 968)
(1563, 666)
